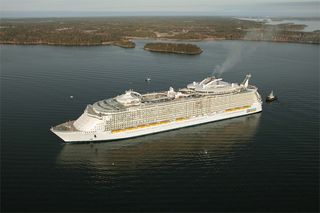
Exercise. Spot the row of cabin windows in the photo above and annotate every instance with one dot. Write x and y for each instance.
(189, 109)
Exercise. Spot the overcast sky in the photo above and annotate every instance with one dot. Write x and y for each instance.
(171, 7)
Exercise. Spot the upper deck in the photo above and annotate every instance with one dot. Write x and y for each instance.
(208, 87)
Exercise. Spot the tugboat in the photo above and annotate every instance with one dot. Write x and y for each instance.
(148, 79)
(271, 97)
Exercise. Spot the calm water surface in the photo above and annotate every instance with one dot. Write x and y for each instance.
(264, 162)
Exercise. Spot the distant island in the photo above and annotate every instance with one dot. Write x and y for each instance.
(120, 31)
(178, 48)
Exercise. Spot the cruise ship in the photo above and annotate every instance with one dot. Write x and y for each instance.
(133, 114)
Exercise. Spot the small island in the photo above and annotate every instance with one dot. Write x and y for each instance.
(178, 48)
(125, 44)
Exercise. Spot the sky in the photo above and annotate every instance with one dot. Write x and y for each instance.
(21, 8)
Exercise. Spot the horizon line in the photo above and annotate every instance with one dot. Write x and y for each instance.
(89, 14)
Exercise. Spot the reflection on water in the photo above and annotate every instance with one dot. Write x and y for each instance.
(211, 140)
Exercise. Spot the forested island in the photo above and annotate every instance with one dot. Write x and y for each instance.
(121, 30)
(178, 48)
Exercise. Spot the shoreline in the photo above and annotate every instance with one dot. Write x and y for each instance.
(145, 38)
(174, 52)
(217, 39)
(113, 43)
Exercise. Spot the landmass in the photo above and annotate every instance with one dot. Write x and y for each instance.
(121, 30)
(179, 48)
(125, 44)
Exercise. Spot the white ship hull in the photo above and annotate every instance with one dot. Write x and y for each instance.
(79, 136)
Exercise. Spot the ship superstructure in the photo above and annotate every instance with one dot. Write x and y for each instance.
(133, 114)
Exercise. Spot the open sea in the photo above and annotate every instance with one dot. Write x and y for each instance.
(262, 162)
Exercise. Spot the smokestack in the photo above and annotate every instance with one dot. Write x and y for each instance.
(245, 82)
